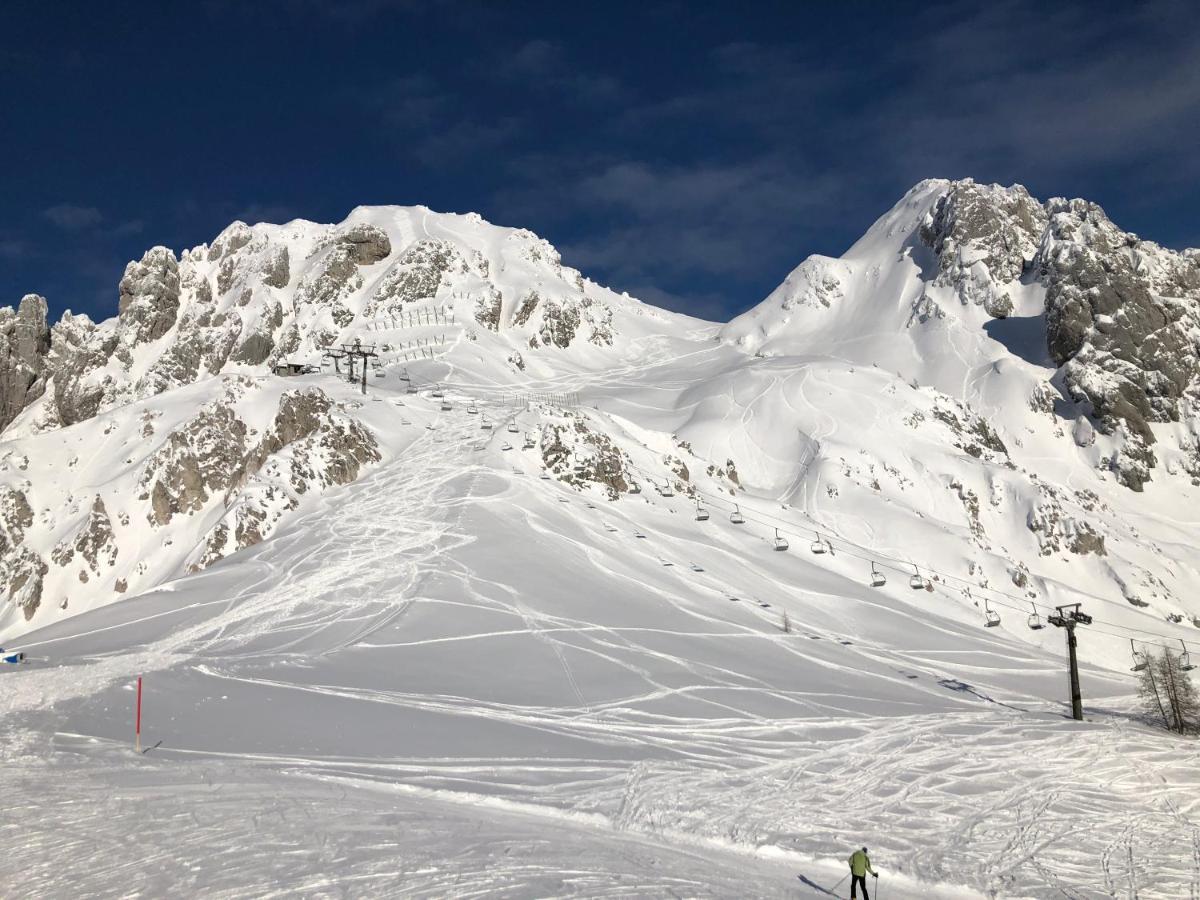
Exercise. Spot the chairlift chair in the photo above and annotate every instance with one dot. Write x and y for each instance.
(446, 406)
(437, 394)
(916, 582)
(878, 579)
(411, 389)
(506, 446)
(991, 617)
(1140, 663)
(404, 376)
(1185, 661)
(666, 490)
(634, 487)
(528, 445)
(485, 425)
(701, 513)
(736, 516)
(512, 428)
(472, 409)
(1035, 621)
(780, 541)
(817, 546)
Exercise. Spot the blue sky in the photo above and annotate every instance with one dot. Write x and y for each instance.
(689, 153)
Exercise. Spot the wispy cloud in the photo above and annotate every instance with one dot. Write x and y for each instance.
(14, 249)
(72, 217)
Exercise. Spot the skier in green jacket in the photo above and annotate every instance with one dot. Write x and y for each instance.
(860, 865)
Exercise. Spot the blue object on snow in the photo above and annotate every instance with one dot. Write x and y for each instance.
(13, 658)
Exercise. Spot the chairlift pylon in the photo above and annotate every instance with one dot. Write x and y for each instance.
(1035, 621)
(878, 579)
(736, 516)
(1140, 663)
(780, 541)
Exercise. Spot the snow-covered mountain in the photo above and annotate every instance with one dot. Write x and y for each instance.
(157, 442)
(538, 561)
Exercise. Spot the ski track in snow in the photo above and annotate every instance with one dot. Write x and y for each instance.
(661, 741)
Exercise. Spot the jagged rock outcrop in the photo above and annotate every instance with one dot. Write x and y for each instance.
(93, 542)
(24, 345)
(421, 271)
(148, 298)
(80, 352)
(1127, 350)
(367, 244)
(198, 460)
(984, 237)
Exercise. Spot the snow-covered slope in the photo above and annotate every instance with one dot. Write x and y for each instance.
(534, 569)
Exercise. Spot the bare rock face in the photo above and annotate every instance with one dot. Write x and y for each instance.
(79, 353)
(229, 241)
(578, 456)
(24, 345)
(329, 287)
(149, 297)
(421, 271)
(21, 569)
(367, 244)
(276, 268)
(198, 459)
(94, 541)
(309, 447)
(984, 237)
(1127, 350)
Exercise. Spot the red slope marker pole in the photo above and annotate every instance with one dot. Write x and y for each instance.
(138, 725)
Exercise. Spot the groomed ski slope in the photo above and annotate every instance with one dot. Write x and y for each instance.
(455, 678)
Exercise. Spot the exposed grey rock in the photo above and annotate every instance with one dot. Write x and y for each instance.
(21, 580)
(335, 280)
(94, 541)
(276, 269)
(229, 241)
(200, 458)
(488, 308)
(560, 322)
(367, 244)
(255, 349)
(24, 345)
(80, 351)
(149, 297)
(1128, 352)
(421, 271)
(526, 308)
(984, 237)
